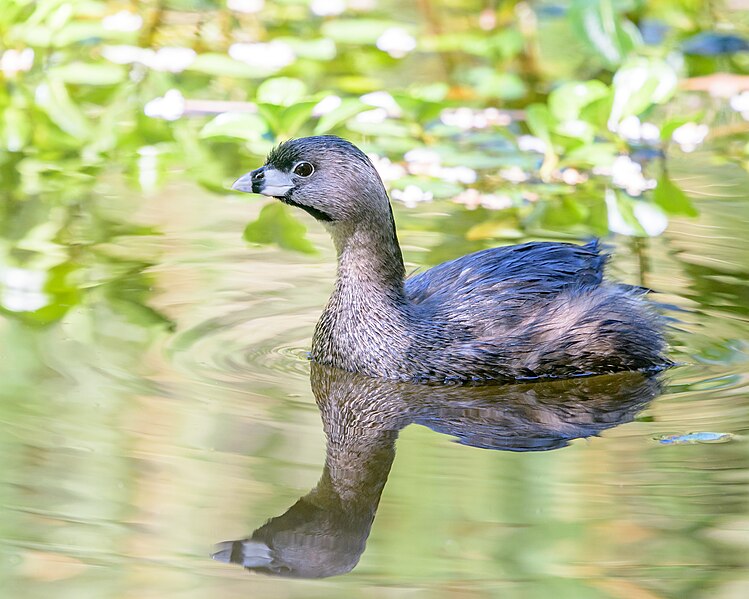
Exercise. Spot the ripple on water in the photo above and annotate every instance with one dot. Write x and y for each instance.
(237, 348)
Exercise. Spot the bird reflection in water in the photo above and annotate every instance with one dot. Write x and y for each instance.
(325, 532)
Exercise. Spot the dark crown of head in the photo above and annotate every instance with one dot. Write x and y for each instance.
(287, 154)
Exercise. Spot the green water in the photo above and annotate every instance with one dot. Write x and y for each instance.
(156, 402)
(170, 409)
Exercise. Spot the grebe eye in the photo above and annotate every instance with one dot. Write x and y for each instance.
(304, 169)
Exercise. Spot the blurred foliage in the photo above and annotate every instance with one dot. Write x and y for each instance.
(557, 118)
(124, 462)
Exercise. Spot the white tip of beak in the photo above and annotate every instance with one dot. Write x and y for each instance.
(244, 183)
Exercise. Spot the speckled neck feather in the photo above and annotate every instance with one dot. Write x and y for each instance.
(367, 307)
(525, 312)
(369, 252)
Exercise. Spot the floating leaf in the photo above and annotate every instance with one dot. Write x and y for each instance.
(276, 225)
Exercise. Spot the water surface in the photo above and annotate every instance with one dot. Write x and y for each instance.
(167, 407)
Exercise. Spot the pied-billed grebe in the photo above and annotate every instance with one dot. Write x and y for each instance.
(535, 310)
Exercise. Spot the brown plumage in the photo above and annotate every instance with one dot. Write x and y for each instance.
(537, 310)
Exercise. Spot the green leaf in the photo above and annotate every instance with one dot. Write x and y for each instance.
(572, 133)
(349, 108)
(435, 91)
(16, 129)
(417, 109)
(81, 32)
(597, 113)
(276, 225)
(593, 154)
(671, 125)
(604, 29)
(634, 217)
(110, 123)
(295, 116)
(317, 49)
(260, 147)
(282, 91)
(464, 42)
(563, 213)
(509, 42)
(438, 188)
(237, 125)
(140, 313)
(272, 114)
(493, 230)
(480, 160)
(540, 121)
(59, 18)
(567, 101)
(359, 31)
(640, 84)
(490, 84)
(672, 199)
(53, 98)
(222, 65)
(82, 73)
(389, 128)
